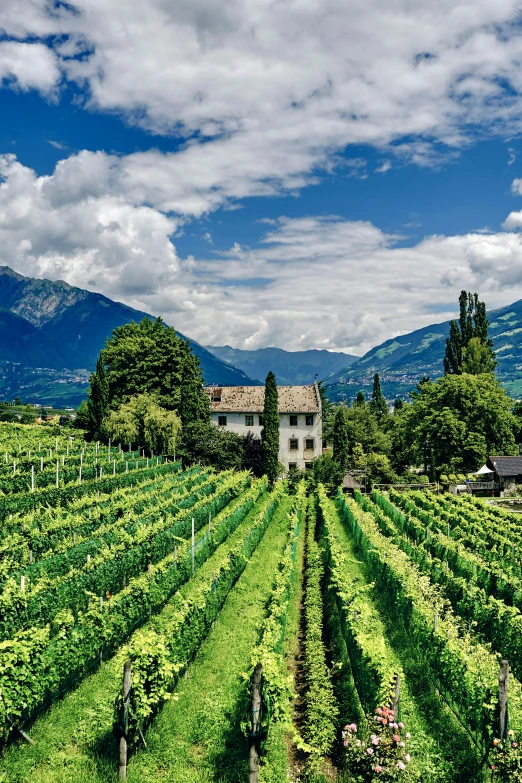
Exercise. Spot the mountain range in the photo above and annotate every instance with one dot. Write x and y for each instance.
(51, 334)
(290, 367)
(402, 361)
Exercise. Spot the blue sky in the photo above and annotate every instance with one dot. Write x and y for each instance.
(303, 174)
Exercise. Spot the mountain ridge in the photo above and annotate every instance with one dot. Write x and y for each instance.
(65, 328)
(402, 361)
(290, 367)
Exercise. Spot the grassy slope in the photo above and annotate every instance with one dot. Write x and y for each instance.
(198, 737)
(74, 742)
(439, 746)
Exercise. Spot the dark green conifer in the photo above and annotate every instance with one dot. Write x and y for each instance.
(378, 403)
(270, 431)
(341, 437)
(468, 347)
(98, 400)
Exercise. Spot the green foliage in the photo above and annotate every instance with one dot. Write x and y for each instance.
(206, 444)
(326, 471)
(341, 437)
(98, 400)
(270, 431)
(150, 358)
(158, 657)
(378, 404)
(459, 420)
(82, 419)
(278, 686)
(468, 348)
(142, 420)
(465, 670)
(321, 707)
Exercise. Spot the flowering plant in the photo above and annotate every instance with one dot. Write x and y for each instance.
(383, 756)
(506, 760)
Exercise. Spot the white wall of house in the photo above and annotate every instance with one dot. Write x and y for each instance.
(291, 434)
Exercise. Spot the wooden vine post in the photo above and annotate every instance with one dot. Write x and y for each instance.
(255, 734)
(503, 681)
(394, 704)
(125, 719)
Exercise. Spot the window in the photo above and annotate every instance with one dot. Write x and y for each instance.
(293, 420)
(249, 420)
(309, 444)
(308, 466)
(216, 396)
(309, 419)
(260, 421)
(292, 466)
(294, 444)
(222, 421)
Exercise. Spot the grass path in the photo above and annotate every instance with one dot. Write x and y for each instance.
(197, 738)
(74, 741)
(440, 747)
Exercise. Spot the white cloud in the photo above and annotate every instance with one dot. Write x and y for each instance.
(269, 92)
(28, 66)
(312, 282)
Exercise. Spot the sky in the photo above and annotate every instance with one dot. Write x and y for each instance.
(297, 173)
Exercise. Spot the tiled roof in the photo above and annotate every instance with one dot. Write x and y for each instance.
(506, 466)
(350, 482)
(250, 399)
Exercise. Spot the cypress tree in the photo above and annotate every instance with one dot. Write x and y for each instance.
(194, 403)
(341, 437)
(378, 403)
(98, 399)
(360, 399)
(270, 431)
(471, 326)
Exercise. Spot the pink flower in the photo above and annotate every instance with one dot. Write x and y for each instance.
(378, 768)
(408, 757)
(402, 744)
(401, 725)
(352, 727)
(396, 738)
(408, 735)
(375, 741)
(358, 743)
(369, 751)
(345, 743)
(401, 765)
(515, 744)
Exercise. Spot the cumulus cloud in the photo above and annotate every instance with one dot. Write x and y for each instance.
(267, 93)
(312, 281)
(28, 66)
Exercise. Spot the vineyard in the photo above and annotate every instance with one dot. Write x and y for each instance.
(168, 624)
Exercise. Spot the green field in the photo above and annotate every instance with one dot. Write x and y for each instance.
(405, 599)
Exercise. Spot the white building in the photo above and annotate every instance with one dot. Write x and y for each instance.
(240, 410)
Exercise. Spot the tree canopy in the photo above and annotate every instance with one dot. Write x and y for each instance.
(141, 420)
(458, 420)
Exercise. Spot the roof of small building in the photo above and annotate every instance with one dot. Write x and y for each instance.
(506, 466)
(250, 399)
(350, 482)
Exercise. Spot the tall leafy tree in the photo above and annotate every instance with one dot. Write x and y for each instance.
(378, 403)
(360, 399)
(151, 358)
(98, 399)
(468, 347)
(341, 440)
(455, 422)
(270, 431)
